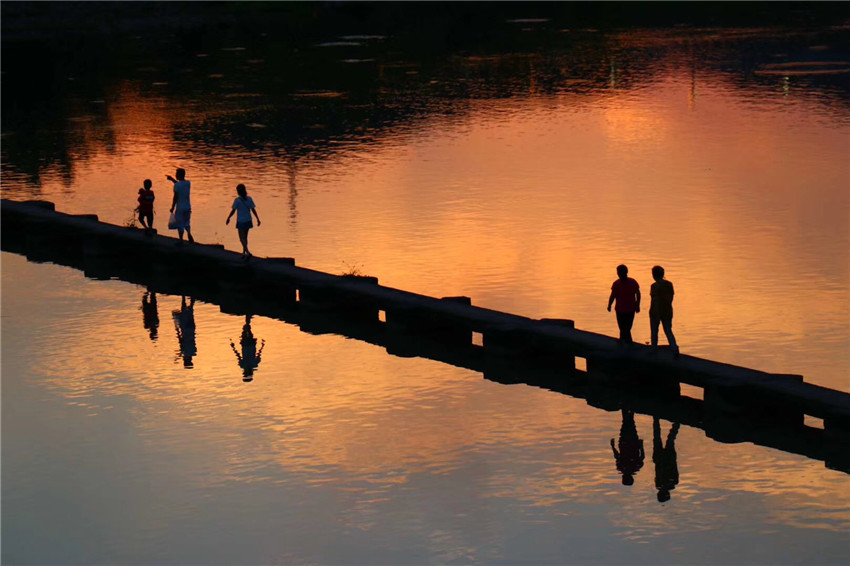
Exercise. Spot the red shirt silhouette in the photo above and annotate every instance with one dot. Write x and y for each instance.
(624, 292)
(145, 199)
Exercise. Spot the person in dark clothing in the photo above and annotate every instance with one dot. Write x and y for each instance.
(661, 309)
(146, 198)
(664, 457)
(630, 456)
(626, 292)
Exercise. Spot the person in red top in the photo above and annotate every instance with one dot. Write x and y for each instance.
(145, 209)
(626, 292)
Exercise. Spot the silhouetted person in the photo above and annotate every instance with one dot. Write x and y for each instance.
(661, 309)
(626, 292)
(181, 205)
(243, 206)
(664, 457)
(249, 359)
(184, 322)
(150, 314)
(630, 455)
(146, 198)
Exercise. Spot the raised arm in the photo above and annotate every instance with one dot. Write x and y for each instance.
(235, 351)
(173, 200)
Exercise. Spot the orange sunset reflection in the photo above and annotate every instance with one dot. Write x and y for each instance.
(511, 154)
(527, 205)
(326, 407)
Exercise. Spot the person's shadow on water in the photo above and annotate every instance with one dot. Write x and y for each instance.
(664, 457)
(630, 456)
(184, 323)
(150, 314)
(249, 358)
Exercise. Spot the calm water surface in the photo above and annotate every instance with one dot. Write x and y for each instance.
(519, 177)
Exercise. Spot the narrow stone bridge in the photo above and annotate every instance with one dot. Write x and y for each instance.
(450, 329)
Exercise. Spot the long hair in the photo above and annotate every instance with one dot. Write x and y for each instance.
(241, 190)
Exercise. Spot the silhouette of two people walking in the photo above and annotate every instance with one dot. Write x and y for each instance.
(625, 295)
(629, 454)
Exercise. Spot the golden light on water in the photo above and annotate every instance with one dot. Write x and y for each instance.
(528, 205)
(519, 170)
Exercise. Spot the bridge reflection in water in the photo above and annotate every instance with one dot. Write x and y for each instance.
(611, 385)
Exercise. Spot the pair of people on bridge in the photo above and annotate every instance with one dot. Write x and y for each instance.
(625, 295)
(181, 209)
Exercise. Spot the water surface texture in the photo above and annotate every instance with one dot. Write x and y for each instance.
(519, 168)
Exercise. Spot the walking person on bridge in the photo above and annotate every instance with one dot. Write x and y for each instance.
(661, 309)
(626, 292)
(181, 206)
(243, 206)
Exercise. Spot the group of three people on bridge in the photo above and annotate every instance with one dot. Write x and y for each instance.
(181, 209)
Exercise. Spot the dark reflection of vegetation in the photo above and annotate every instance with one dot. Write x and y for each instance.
(262, 77)
(50, 108)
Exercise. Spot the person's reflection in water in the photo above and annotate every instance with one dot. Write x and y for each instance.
(184, 322)
(630, 455)
(664, 457)
(249, 359)
(150, 314)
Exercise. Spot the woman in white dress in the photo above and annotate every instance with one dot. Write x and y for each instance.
(181, 206)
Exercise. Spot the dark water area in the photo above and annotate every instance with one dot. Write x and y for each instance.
(334, 73)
